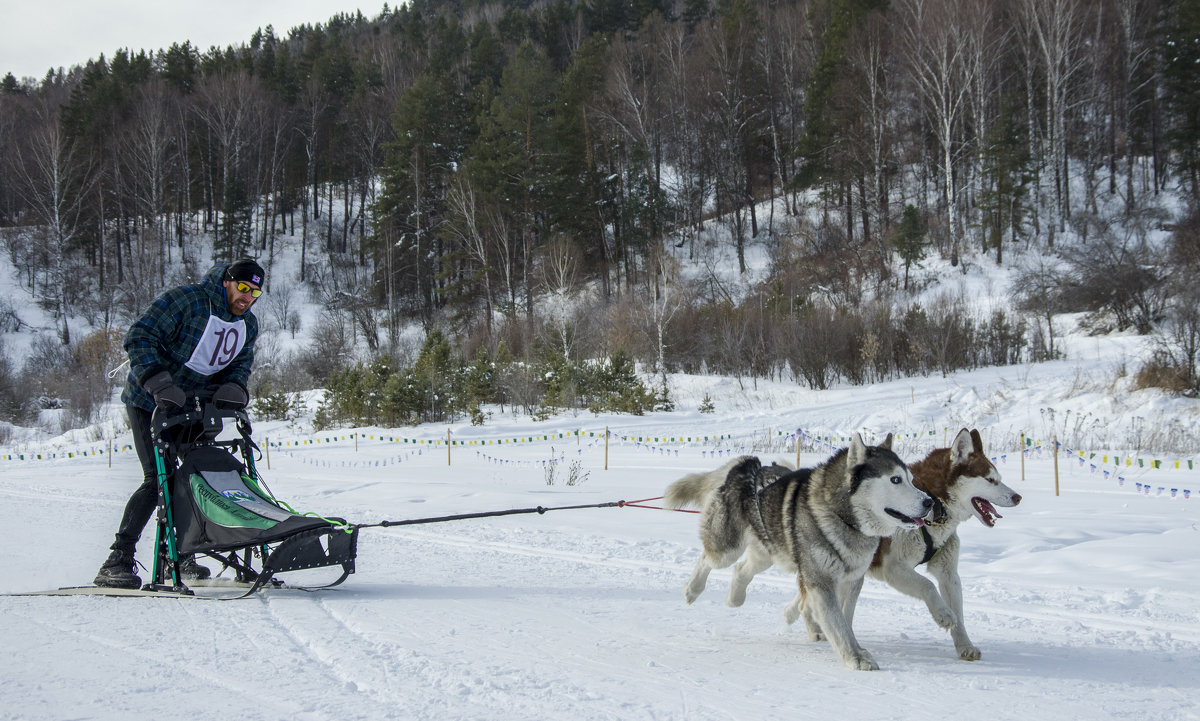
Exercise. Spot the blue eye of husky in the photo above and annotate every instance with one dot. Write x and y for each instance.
(897, 480)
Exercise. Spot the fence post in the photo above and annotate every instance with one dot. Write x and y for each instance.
(1021, 450)
(447, 446)
(1054, 440)
(267, 451)
(606, 448)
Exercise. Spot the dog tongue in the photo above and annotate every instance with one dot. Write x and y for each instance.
(987, 512)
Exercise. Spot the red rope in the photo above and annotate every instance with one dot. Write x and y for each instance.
(638, 504)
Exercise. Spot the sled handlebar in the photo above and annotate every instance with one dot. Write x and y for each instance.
(199, 413)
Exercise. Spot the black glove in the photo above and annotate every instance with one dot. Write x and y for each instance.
(230, 395)
(167, 395)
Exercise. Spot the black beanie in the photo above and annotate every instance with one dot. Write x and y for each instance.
(246, 270)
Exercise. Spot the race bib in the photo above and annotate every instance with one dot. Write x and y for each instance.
(218, 346)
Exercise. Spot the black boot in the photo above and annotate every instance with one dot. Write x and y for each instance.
(189, 570)
(117, 572)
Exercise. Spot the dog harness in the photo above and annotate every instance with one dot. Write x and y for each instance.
(939, 519)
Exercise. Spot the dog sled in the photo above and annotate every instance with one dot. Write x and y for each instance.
(213, 503)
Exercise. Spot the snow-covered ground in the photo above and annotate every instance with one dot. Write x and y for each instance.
(1084, 602)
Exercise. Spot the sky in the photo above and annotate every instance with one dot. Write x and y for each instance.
(36, 36)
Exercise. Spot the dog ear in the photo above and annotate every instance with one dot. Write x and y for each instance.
(858, 451)
(887, 442)
(977, 440)
(961, 447)
(746, 466)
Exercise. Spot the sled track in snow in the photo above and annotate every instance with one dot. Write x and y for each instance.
(873, 591)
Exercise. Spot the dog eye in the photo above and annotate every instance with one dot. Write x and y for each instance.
(897, 480)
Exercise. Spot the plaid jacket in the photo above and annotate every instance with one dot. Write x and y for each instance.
(165, 336)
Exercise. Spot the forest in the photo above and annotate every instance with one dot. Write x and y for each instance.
(538, 187)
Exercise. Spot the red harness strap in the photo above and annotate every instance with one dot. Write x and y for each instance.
(639, 504)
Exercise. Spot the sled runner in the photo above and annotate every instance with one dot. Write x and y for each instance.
(216, 505)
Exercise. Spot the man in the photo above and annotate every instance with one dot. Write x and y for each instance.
(191, 337)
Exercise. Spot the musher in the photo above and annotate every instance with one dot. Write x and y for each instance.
(191, 337)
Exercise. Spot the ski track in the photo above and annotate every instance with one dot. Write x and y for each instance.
(872, 590)
(165, 665)
(391, 670)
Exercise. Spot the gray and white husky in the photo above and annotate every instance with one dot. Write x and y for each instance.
(964, 484)
(822, 523)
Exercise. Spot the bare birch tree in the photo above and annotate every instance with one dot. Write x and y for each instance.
(1135, 55)
(54, 178)
(147, 151)
(1055, 28)
(560, 269)
(936, 53)
(985, 39)
(690, 184)
(731, 111)
(870, 60)
(465, 226)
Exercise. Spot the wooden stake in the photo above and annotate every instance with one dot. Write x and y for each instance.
(1021, 450)
(1054, 440)
(606, 448)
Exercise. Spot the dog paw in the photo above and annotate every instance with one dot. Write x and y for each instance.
(970, 653)
(944, 617)
(862, 661)
(735, 600)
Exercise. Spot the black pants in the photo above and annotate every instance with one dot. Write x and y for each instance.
(140, 506)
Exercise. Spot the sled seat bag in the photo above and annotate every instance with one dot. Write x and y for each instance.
(218, 507)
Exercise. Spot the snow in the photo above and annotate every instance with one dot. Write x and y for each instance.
(1084, 602)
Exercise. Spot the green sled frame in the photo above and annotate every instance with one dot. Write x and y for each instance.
(210, 503)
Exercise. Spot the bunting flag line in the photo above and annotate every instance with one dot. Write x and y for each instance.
(1108, 465)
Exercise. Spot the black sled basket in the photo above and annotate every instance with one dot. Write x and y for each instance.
(212, 503)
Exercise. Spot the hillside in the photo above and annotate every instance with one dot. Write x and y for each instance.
(1086, 398)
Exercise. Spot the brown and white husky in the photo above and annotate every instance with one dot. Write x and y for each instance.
(963, 484)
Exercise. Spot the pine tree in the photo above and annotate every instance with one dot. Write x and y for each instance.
(10, 85)
(910, 239)
(1181, 51)
(822, 136)
(428, 124)
(1006, 166)
(233, 238)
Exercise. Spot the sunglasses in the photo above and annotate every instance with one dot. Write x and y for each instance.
(245, 288)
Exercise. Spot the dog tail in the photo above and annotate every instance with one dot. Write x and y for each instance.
(694, 489)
